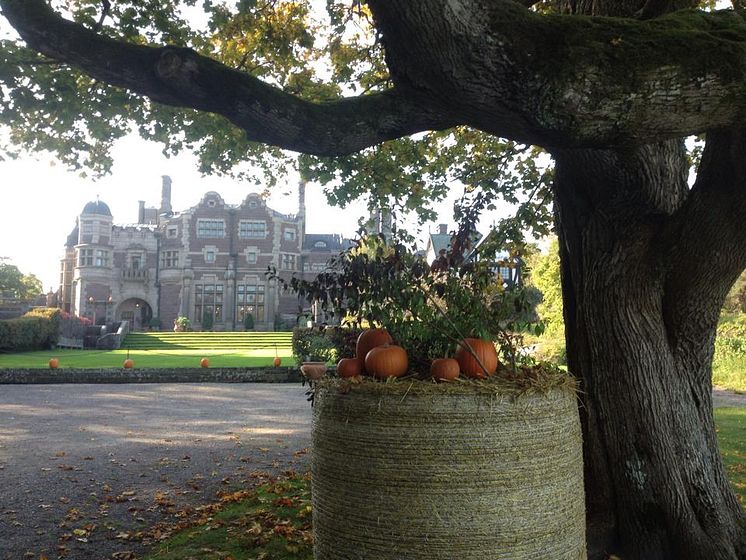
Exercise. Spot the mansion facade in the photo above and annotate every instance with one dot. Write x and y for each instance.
(207, 263)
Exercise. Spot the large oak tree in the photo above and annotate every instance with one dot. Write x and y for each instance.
(609, 88)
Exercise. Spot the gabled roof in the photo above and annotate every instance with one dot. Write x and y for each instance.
(440, 241)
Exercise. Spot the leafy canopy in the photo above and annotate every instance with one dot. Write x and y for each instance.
(16, 284)
(313, 53)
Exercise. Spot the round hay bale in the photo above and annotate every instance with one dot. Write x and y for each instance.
(469, 470)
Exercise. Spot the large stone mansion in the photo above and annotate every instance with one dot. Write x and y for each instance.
(209, 260)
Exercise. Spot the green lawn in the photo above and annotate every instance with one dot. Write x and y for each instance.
(273, 521)
(93, 359)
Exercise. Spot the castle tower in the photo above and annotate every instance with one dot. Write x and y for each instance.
(93, 262)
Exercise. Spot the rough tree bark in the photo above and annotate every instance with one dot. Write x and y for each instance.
(646, 265)
(646, 261)
(634, 241)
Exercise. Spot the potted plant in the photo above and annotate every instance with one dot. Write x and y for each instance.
(319, 351)
(182, 324)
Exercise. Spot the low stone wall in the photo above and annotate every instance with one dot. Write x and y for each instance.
(119, 375)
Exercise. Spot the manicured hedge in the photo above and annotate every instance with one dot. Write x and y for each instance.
(327, 344)
(36, 330)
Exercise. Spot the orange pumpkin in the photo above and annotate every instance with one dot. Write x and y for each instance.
(204, 362)
(129, 363)
(54, 363)
(369, 339)
(388, 360)
(487, 353)
(444, 369)
(349, 367)
(277, 361)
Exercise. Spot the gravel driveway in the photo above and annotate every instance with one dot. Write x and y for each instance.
(83, 468)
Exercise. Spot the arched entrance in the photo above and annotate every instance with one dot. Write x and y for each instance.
(137, 311)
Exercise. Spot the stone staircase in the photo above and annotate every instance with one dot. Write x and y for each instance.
(208, 340)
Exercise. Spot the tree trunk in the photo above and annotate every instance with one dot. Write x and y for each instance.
(642, 270)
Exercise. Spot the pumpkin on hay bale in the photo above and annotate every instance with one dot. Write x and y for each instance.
(470, 469)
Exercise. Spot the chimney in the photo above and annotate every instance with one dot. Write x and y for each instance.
(386, 222)
(165, 195)
(443, 229)
(140, 211)
(302, 198)
(302, 210)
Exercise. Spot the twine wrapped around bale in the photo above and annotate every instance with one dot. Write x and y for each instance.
(468, 470)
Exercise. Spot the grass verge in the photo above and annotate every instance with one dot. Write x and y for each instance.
(273, 522)
(731, 428)
(167, 359)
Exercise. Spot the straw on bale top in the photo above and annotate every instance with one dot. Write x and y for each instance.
(527, 380)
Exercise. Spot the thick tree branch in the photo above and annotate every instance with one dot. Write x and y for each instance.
(569, 81)
(707, 240)
(181, 77)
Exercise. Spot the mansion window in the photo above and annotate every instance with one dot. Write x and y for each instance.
(290, 235)
(314, 267)
(251, 257)
(208, 300)
(102, 257)
(320, 245)
(86, 257)
(249, 301)
(93, 257)
(287, 262)
(170, 259)
(172, 232)
(209, 256)
(252, 229)
(86, 227)
(210, 228)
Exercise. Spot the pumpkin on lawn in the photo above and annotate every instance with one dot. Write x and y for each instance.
(53, 363)
(204, 362)
(444, 369)
(349, 367)
(388, 360)
(369, 339)
(129, 363)
(277, 361)
(486, 352)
